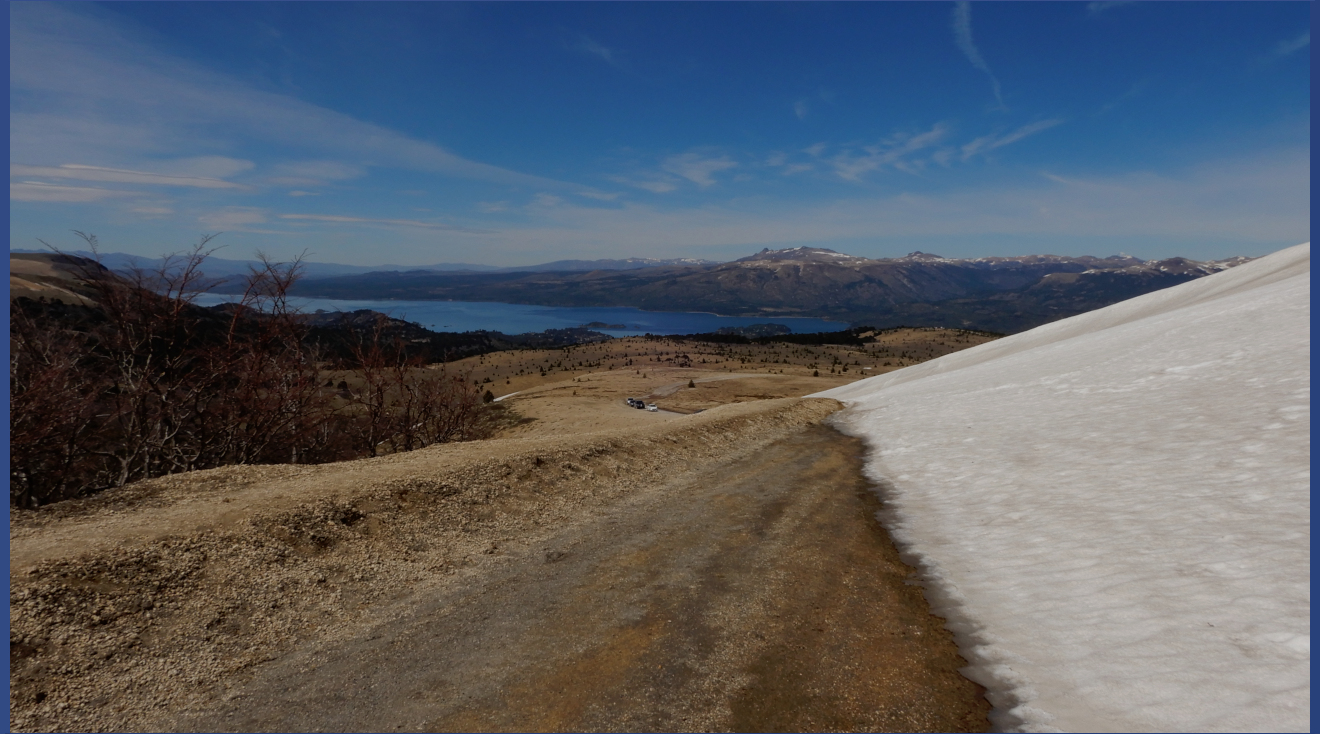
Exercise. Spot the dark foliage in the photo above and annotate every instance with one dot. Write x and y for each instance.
(855, 336)
(851, 337)
(710, 338)
(145, 384)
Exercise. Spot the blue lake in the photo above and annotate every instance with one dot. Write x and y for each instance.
(512, 318)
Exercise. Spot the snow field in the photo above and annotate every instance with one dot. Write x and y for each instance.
(1113, 511)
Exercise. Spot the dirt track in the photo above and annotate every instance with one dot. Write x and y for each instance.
(721, 571)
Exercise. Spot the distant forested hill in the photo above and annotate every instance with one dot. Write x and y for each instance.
(994, 294)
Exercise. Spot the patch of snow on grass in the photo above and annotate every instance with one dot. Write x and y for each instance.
(1113, 510)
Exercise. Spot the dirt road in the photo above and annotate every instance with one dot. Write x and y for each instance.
(762, 597)
(741, 589)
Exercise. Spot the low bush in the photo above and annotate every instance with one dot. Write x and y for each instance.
(145, 383)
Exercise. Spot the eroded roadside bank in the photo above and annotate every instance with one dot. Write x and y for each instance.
(719, 572)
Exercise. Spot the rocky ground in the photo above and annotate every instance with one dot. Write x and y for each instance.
(595, 567)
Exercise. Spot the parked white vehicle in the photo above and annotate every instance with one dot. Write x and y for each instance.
(652, 408)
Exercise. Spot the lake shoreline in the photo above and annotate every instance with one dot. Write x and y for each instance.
(518, 318)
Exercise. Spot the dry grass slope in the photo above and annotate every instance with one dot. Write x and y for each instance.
(135, 607)
(130, 608)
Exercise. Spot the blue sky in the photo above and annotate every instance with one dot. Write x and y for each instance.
(517, 133)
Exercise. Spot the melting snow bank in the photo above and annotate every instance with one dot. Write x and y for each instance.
(1113, 510)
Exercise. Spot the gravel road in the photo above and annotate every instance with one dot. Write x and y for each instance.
(747, 588)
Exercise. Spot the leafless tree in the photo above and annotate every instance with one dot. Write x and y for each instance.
(402, 405)
(148, 384)
(53, 413)
(270, 405)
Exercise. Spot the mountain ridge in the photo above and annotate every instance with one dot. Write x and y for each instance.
(1004, 294)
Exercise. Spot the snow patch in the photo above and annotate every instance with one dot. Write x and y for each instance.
(1112, 511)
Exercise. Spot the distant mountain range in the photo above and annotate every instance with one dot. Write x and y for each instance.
(218, 267)
(1005, 294)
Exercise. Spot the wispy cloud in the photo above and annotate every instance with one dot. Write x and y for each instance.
(1287, 48)
(157, 211)
(205, 166)
(962, 35)
(655, 186)
(1242, 204)
(1096, 8)
(987, 143)
(296, 192)
(115, 175)
(336, 219)
(697, 168)
(544, 200)
(779, 159)
(84, 87)
(600, 195)
(801, 108)
(234, 216)
(1132, 92)
(913, 167)
(590, 47)
(908, 152)
(313, 173)
(492, 207)
(853, 167)
(38, 191)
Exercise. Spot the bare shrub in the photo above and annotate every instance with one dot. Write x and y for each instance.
(269, 404)
(145, 383)
(53, 413)
(401, 405)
